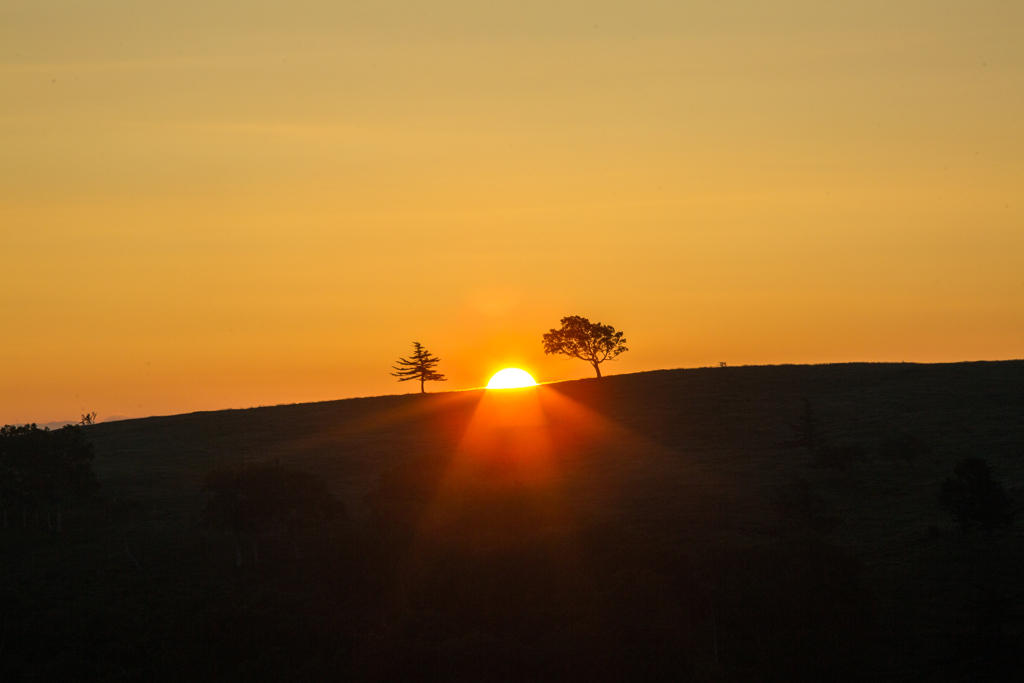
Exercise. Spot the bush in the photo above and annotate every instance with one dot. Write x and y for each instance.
(974, 498)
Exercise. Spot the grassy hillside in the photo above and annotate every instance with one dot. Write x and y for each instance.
(660, 433)
(697, 462)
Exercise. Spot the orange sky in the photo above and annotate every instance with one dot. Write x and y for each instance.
(224, 204)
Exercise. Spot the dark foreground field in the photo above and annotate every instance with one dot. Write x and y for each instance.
(726, 524)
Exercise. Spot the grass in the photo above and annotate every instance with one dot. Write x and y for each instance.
(690, 458)
(728, 428)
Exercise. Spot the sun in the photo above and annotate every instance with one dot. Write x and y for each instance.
(511, 378)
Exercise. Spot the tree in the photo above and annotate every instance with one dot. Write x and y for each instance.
(974, 497)
(44, 469)
(582, 339)
(70, 477)
(420, 366)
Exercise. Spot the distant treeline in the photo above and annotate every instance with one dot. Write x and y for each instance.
(43, 473)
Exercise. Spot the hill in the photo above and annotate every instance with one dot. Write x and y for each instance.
(703, 464)
(731, 425)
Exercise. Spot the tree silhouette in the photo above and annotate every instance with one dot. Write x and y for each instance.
(582, 339)
(420, 366)
(44, 470)
(974, 497)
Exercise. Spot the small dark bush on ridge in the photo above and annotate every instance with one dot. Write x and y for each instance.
(974, 498)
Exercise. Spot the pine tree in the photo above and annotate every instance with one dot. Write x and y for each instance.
(420, 366)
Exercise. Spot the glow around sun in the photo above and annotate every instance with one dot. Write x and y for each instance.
(511, 378)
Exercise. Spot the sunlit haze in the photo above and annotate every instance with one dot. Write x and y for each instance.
(208, 205)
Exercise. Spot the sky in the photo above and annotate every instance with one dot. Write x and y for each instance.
(209, 204)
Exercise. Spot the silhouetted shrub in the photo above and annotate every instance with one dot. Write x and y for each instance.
(974, 497)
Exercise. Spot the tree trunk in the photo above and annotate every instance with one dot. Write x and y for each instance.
(423, 389)
(255, 557)
(238, 552)
(58, 517)
(597, 369)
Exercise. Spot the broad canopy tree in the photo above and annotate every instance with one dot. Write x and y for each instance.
(420, 366)
(582, 339)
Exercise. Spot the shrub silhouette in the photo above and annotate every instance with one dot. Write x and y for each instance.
(974, 497)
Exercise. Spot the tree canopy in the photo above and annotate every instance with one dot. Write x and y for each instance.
(40, 469)
(420, 366)
(582, 339)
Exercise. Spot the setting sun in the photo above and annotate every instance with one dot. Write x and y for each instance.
(511, 378)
